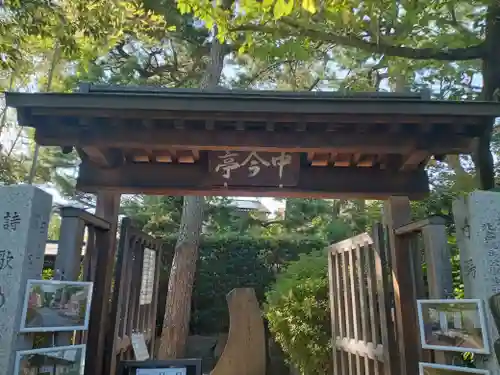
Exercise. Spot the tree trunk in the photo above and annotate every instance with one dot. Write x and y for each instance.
(180, 284)
(483, 159)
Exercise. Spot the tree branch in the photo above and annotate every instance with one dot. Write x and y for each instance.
(267, 70)
(456, 23)
(14, 142)
(313, 85)
(443, 54)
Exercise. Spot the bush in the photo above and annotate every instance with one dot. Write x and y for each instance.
(236, 261)
(298, 312)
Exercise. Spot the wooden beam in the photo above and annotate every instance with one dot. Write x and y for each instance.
(185, 157)
(163, 157)
(414, 159)
(194, 179)
(99, 353)
(378, 143)
(142, 157)
(397, 213)
(318, 159)
(343, 160)
(105, 157)
(417, 226)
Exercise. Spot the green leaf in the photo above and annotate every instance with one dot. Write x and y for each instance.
(282, 8)
(184, 6)
(310, 6)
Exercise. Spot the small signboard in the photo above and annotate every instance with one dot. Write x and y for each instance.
(191, 366)
(251, 168)
(161, 371)
(141, 352)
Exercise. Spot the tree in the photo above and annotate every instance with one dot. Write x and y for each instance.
(180, 285)
(42, 42)
(448, 32)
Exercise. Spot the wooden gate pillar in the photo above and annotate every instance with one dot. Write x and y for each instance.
(108, 205)
(397, 213)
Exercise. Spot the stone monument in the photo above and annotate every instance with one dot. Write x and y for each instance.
(245, 350)
(24, 214)
(477, 221)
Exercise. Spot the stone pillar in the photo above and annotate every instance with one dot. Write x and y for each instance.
(477, 220)
(24, 217)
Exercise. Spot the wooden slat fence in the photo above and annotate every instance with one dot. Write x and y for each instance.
(135, 294)
(88, 260)
(361, 302)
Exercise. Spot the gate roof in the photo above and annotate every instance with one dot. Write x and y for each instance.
(158, 141)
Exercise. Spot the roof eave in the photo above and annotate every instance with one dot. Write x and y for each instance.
(214, 102)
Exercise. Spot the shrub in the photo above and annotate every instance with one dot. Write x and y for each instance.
(298, 312)
(236, 261)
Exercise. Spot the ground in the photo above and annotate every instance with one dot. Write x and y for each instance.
(47, 317)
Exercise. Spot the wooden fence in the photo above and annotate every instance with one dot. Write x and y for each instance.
(87, 261)
(361, 301)
(121, 305)
(135, 294)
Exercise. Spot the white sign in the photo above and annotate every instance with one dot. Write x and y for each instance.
(139, 346)
(161, 371)
(148, 277)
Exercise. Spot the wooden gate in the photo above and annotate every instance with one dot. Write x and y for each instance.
(135, 294)
(361, 302)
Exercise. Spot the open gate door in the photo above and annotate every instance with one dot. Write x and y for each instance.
(361, 302)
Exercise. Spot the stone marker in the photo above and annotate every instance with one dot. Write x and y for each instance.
(477, 220)
(245, 350)
(24, 217)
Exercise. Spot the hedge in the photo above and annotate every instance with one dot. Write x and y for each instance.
(235, 261)
(298, 314)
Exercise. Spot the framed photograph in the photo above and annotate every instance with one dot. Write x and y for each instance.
(435, 369)
(68, 360)
(154, 367)
(52, 306)
(453, 325)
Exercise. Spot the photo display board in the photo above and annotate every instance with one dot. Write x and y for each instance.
(169, 367)
(453, 325)
(56, 306)
(437, 369)
(56, 360)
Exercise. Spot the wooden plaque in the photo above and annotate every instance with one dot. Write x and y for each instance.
(251, 168)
